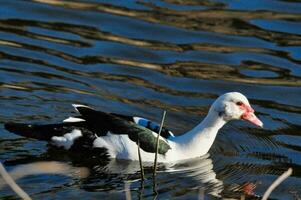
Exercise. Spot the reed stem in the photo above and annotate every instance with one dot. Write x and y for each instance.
(140, 162)
(157, 144)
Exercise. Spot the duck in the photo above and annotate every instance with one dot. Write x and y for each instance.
(119, 135)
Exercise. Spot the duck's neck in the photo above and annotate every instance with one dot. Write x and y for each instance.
(198, 141)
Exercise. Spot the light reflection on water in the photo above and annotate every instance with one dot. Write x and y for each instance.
(139, 57)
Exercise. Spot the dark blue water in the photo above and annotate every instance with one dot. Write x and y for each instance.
(139, 58)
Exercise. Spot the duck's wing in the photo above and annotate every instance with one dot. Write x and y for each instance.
(118, 124)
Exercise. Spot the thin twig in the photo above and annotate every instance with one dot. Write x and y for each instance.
(279, 180)
(10, 181)
(141, 190)
(140, 161)
(157, 144)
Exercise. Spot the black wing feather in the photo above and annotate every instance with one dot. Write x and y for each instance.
(42, 132)
(118, 125)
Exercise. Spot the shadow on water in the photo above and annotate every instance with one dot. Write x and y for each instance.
(142, 57)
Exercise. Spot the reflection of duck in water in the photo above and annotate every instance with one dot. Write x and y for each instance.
(119, 134)
(191, 174)
(199, 174)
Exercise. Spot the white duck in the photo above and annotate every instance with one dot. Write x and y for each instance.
(119, 134)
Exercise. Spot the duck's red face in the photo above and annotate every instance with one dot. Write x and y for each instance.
(248, 114)
(235, 106)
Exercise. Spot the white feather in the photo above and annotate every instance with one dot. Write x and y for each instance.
(66, 140)
(79, 105)
(171, 134)
(73, 119)
(137, 119)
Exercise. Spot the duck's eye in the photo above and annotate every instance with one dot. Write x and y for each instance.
(239, 103)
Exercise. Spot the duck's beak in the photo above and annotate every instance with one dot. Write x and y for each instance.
(251, 117)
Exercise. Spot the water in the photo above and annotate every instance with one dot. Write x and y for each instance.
(139, 58)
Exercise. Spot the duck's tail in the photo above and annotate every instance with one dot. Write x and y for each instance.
(40, 132)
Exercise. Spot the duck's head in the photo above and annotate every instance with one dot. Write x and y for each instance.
(234, 106)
